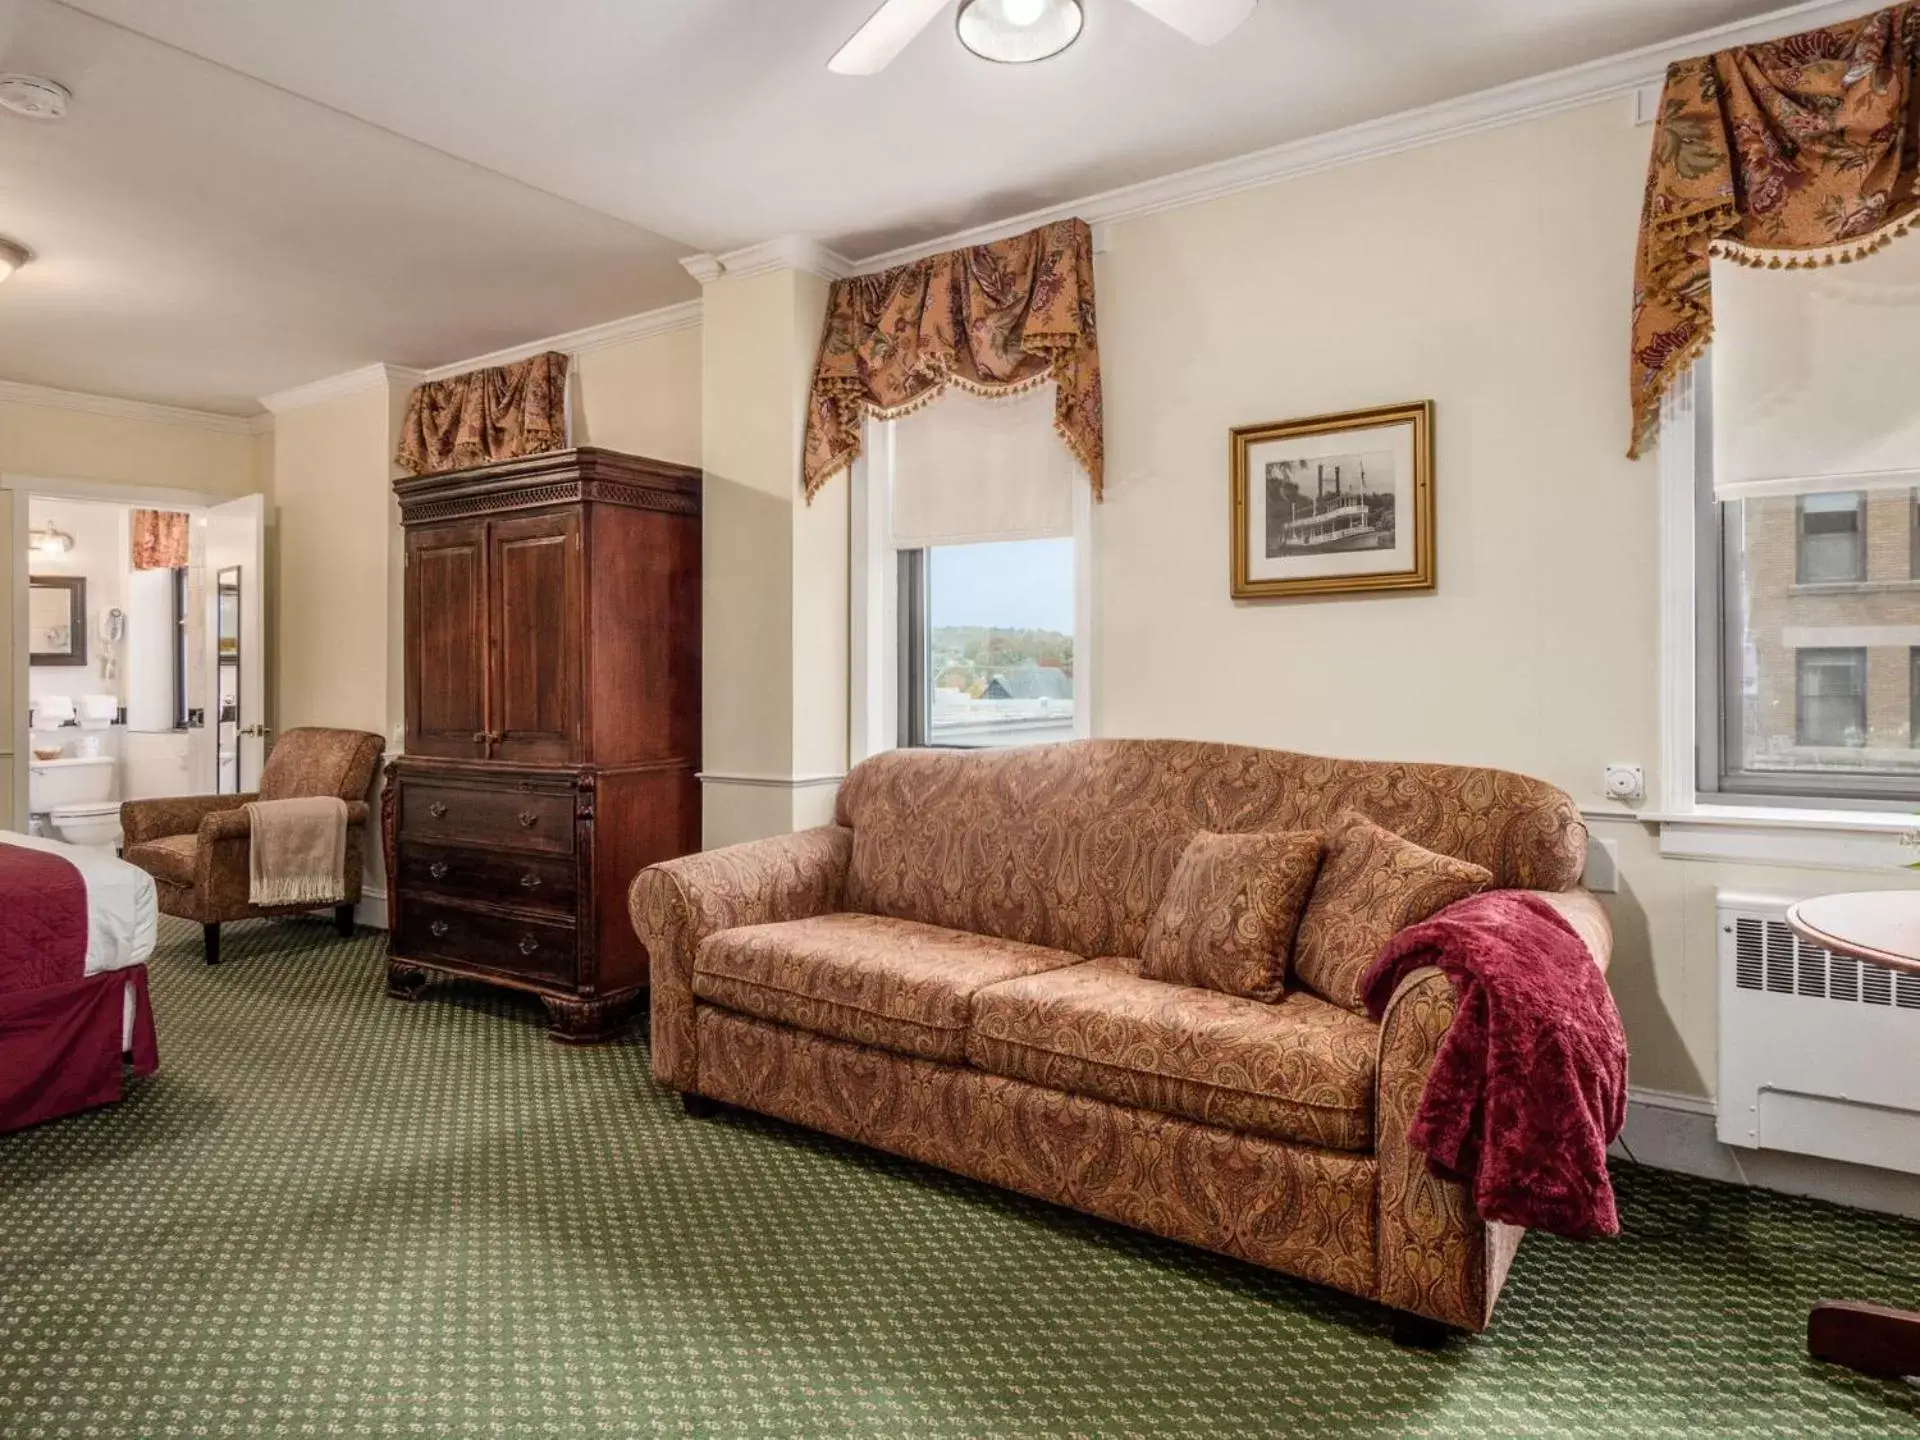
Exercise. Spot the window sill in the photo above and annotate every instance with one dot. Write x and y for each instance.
(1804, 589)
(1782, 835)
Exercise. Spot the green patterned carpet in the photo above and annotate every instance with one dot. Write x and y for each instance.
(336, 1214)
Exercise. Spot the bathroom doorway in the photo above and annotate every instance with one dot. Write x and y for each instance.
(138, 650)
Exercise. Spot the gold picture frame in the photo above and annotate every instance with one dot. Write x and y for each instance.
(1368, 523)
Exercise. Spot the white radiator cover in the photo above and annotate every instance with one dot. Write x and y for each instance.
(1819, 1053)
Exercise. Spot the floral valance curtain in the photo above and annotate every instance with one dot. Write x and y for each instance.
(159, 539)
(992, 319)
(500, 413)
(1796, 152)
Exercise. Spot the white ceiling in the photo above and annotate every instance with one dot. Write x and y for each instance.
(203, 239)
(209, 236)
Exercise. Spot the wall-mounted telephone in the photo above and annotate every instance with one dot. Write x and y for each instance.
(116, 626)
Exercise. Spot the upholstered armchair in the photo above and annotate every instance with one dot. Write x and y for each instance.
(195, 846)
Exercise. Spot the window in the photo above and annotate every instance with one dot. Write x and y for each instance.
(1913, 696)
(1804, 465)
(1797, 661)
(1830, 693)
(987, 643)
(972, 578)
(1833, 539)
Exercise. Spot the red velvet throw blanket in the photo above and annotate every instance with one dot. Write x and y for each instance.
(61, 1029)
(1529, 1086)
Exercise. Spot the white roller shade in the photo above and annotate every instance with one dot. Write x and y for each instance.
(968, 470)
(1816, 376)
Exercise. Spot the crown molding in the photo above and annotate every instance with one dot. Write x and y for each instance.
(787, 252)
(1510, 104)
(14, 392)
(684, 316)
(335, 387)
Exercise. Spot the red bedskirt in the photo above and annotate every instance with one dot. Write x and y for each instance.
(60, 1045)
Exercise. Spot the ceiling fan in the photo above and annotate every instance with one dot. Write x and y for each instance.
(1018, 31)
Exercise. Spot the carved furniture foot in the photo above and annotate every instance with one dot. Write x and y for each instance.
(405, 982)
(588, 1022)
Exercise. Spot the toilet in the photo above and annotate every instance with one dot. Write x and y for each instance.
(73, 797)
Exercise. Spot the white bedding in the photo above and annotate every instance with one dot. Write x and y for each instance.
(122, 909)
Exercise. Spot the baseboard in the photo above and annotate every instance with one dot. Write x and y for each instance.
(1676, 1132)
(372, 909)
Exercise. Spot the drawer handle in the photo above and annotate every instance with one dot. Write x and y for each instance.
(529, 882)
(528, 819)
(438, 869)
(528, 944)
(437, 809)
(439, 928)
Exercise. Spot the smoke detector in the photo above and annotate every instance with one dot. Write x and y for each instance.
(34, 96)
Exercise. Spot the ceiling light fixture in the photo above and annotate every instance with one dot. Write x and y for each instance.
(12, 256)
(1018, 32)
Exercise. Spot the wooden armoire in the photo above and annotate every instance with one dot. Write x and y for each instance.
(552, 659)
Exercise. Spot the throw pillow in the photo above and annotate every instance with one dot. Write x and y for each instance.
(1373, 885)
(1227, 919)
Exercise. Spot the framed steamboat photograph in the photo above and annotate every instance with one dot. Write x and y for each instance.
(1334, 504)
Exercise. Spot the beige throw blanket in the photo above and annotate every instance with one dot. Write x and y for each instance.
(298, 855)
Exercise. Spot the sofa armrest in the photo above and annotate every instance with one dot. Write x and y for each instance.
(1437, 1257)
(144, 820)
(1583, 911)
(677, 904)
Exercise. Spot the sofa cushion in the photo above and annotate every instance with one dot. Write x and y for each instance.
(1227, 919)
(890, 983)
(1301, 1070)
(1373, 885)
(169, 858)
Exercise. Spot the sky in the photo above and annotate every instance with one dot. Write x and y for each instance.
(1013, 585)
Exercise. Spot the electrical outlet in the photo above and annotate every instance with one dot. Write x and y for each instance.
(1625, 782)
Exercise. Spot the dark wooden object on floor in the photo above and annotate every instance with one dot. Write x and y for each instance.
(1873, 1339)
(553, 725)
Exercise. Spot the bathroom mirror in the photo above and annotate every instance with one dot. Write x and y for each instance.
(57, 619)
(226, 589)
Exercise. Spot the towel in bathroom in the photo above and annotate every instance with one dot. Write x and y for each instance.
(298, 854)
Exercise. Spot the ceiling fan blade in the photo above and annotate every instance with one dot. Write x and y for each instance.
(1205, 22)
(891, 29)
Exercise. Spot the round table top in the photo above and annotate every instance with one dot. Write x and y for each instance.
(1878, 925)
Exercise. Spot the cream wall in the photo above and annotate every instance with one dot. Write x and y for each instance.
(1491, 274)
(79, 445)
(332, 583)
(642, 397)
(775, 586)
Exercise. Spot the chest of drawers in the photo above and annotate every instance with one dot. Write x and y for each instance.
(552, 694)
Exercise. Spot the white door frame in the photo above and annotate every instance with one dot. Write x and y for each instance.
(55, 487)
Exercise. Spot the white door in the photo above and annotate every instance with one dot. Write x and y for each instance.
(235, 676)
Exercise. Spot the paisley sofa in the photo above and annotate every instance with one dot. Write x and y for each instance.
(948, 972)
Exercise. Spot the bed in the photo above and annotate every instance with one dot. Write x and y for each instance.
(76, 929)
